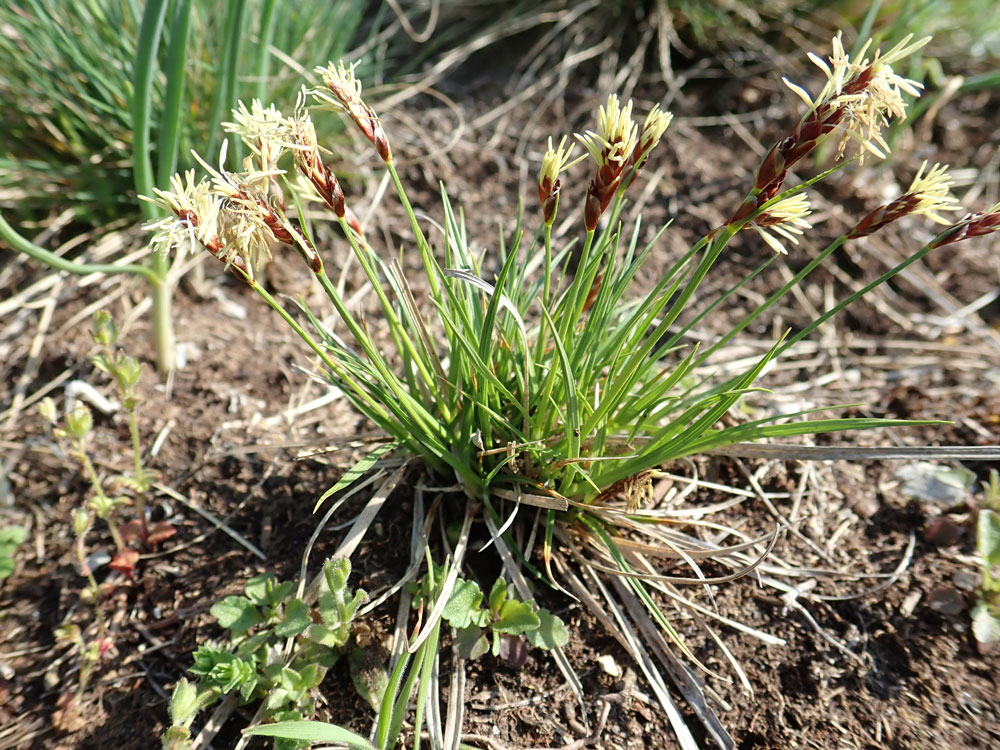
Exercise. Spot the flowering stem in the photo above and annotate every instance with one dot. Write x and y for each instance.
(81, 556)
(140, 501)
(576, 296)
(394, 323)
(9, 235)
(546, 293)
(162, 293)
(547, 284)
(809, 267)
(850, 299)
(425, 254)
(364, 340)
(330, 363)
(88, 469)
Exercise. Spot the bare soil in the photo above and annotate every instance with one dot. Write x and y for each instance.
(897, 668)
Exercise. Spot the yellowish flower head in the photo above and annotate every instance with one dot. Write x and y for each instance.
(263, 129)
(656, 124)
(867, 92)
(193, 213)
(616, 134)
(554, 162)
(933, 193)
(785, 220)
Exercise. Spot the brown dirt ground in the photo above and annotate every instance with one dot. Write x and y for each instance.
(906, 675)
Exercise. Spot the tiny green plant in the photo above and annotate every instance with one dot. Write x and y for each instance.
(501, 614)
(11, 538)
(125, 371)
(257, 663)
(529, 375)
(89, 651)
(76, 429)
(986, 612)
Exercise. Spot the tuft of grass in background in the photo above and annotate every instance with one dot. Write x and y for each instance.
(91, 113)
(67, 82)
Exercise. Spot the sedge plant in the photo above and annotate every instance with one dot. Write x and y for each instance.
(532, 374)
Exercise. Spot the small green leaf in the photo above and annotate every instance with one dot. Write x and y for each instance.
(498, 595)
(471, 643)
(336, 571)
(185, 702)
(986, 622)
(277, 697)
(296, 620)
(323, 635)
(310, 676)
(248, 648)
(105, 331)
(236, 613)
(279, 592)
(258, 587)
(550, 633)
(988, 537)
(290, 679)
(247, 688)
(462, 604)
(368, 673)
(12, 536)
(516, 618)
(79, 422)
(311, 731)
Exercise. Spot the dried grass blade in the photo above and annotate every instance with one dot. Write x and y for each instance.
(850, 453)
(360, 526)
(449, 583)
(679, 673)
(627, 636)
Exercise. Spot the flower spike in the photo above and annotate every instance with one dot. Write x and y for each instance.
(973, 225)
(860, 97)
(928, 195)
(346, 89)
(554, 162)
(785, 219)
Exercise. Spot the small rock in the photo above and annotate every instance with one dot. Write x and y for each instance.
(942, 531)
(609, 666)
(965, 580)
(947, 600)
(910, 603)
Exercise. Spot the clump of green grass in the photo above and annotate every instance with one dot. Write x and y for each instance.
(530, 375)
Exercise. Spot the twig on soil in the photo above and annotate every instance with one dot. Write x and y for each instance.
(34, 358)
(220, 525)
(217, 720)
(850, 453)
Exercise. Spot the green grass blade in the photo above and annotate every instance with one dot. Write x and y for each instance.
(312, 732)
(266, 36)
(172, 118)
(142, 98)
(225, 76)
